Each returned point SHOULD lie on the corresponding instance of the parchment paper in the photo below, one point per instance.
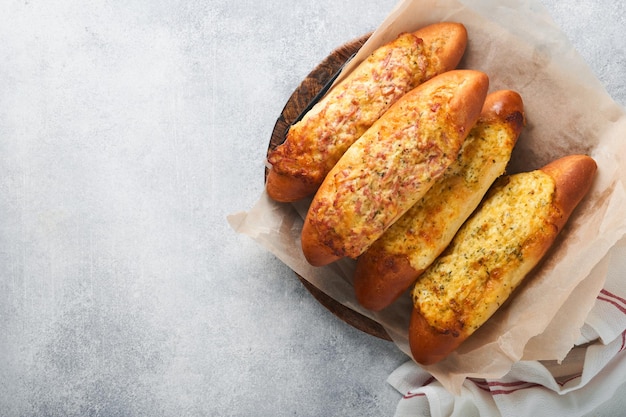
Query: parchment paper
(568, 111)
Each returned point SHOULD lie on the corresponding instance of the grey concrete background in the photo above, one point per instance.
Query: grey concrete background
(129, 130)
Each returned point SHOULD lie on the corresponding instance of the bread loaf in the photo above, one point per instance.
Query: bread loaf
(491, 254)
(392, 165)
(315, 143)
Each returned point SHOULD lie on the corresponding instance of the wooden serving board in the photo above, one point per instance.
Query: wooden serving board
(299, 100)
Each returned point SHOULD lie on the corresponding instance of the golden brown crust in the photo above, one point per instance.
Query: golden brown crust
(447, 42)
(381, 277)
(296, 173)
(504, 105)
(282, 188)
(316, 251)
(429, 345)
(392, 165)
(385, 271)
(572, 177)
(466, 105)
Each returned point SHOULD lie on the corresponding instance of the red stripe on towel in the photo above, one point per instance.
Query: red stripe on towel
(615, 303)
(411, 394)
(610, 294)
(505, 387)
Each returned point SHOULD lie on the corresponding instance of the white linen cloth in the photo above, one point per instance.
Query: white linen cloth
(588, 377)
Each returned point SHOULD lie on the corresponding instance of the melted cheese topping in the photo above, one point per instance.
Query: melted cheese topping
(427, 228)
(489, 256)
(386, 172)
(316, 143)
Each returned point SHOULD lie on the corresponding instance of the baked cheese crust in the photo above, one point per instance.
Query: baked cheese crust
(489, 256)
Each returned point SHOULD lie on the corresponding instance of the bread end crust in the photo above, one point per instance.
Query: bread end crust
(573, 176)
(448, 40)
(428, 345)
(469, 100)
(286, 188)
(380, 278)
(506, 105)
(315, 251)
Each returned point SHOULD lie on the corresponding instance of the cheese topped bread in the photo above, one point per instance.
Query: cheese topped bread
(315, 143)
(394, 163)
(492, 253)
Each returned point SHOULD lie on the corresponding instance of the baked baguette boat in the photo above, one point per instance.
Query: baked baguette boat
(392, 165)
(393, 263)
(315, 143)
(492, 252)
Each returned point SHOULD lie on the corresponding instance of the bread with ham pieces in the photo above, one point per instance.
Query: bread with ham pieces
(392, 165)
(314, 144)
(494, 250)
(393, 263)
